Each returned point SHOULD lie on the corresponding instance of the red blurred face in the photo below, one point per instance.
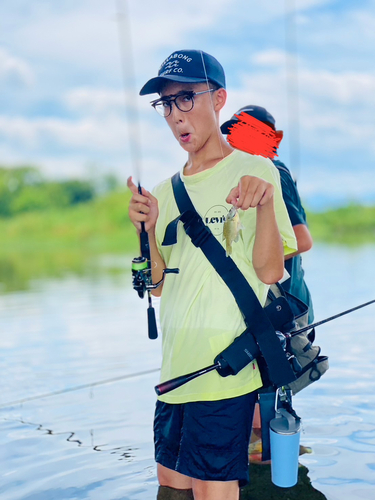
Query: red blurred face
(193, 129)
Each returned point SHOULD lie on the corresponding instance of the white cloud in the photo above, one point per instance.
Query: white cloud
(13, 70)
(340, 87)
(159, 160)
(92, 139)
(344, 87)
(271, 57)
(84, 35)
(97, 101)
(302, 5)
(91, 133)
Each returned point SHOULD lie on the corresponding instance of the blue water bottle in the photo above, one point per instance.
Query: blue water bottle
(284, 436)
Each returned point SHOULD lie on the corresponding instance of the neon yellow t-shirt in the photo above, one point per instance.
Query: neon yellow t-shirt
(198, 314)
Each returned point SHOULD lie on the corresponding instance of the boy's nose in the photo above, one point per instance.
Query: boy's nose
(176, 114)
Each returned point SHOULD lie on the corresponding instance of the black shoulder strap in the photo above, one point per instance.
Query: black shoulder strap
(256, 320)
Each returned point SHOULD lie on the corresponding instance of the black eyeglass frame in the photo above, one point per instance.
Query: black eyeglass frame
(169, 100)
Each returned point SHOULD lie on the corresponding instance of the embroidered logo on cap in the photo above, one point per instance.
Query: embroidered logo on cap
(172, 64)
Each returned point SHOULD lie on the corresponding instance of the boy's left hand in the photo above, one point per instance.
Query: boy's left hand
(250, 192)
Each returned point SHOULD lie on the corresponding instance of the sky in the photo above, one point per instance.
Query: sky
(66, 106)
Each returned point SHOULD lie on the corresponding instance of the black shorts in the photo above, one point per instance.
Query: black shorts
(206, 440)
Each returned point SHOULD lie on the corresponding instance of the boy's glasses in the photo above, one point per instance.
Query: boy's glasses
(184, 101)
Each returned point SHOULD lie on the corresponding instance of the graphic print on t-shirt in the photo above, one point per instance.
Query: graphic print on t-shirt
(215, 218)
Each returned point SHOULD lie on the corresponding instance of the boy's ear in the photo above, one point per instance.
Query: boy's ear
(220, 98)
(279, 134)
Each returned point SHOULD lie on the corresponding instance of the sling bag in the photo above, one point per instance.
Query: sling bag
(257, 322)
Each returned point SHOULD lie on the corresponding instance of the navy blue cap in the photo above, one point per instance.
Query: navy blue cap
(257, 112)
(186, 66)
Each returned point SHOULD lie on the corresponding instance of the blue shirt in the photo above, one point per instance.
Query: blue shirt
(295, 284)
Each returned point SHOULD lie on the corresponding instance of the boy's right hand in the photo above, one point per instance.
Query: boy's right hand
(142, 207)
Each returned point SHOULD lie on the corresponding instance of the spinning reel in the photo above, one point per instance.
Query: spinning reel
(142, 284)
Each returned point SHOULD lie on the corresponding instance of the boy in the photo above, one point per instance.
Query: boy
(202, 429)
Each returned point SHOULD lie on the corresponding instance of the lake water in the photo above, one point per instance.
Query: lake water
(96, 442)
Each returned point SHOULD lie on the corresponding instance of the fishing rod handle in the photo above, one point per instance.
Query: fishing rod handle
(152, 327)
(145, 247)
(170, 385)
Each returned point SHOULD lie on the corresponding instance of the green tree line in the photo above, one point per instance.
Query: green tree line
(352, 224)
(24, 189)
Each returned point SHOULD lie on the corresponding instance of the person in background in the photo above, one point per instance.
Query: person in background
(293, 262)
(295, 284)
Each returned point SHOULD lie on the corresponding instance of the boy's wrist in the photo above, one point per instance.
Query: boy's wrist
(268, 205)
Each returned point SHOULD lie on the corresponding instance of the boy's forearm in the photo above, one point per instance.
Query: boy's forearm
(268, 251)
(304, 240)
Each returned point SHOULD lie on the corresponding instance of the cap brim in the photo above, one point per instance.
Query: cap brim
(226, 125)
(154, 85)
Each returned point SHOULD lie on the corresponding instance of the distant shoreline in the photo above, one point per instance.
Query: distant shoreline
(349, 225)
(102, 225)
(55, 242)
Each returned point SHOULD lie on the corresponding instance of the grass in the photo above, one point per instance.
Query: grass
(99, 226)
(103, 225)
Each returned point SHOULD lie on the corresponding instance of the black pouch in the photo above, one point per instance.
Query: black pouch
(280, 314)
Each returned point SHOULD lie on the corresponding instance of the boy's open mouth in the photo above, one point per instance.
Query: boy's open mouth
(185, 137)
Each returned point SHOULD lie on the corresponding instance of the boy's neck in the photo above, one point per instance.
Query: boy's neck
(207, 157)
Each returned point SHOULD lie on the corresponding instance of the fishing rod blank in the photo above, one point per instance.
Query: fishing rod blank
(318, 323)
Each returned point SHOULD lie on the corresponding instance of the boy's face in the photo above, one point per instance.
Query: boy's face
(194, 128)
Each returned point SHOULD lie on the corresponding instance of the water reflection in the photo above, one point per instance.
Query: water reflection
(19, 270)
(261, 487)
(124, 452)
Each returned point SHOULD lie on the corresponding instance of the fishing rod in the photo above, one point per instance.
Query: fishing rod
(240, 353)
(77, 388)
(318, 323)
(142, 265)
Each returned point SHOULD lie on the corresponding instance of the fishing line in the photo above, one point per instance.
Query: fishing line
(212, 105)
(292, 90)
(78, 388)
(129, 85)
